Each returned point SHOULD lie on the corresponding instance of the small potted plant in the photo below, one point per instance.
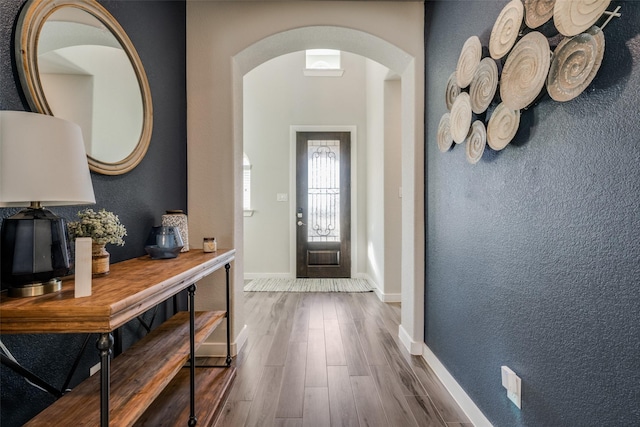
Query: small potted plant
(103, 227)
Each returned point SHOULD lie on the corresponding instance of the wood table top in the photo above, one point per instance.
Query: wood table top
(131, 288)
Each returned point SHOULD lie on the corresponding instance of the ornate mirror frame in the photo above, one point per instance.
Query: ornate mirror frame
(30, 22)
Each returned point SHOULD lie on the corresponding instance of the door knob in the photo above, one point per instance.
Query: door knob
(300, 223)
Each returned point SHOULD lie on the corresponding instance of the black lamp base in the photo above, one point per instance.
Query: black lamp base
(34, 252)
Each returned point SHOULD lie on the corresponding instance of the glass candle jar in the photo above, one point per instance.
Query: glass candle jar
(177, 218)
(209, 244)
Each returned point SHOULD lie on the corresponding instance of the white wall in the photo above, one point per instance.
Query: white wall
(71, 97)
(276, 96)
(375, 173)
(384, 178)
(392, 187)
(110, 111)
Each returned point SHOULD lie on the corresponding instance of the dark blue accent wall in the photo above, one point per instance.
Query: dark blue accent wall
(158, 31)
(533, 254)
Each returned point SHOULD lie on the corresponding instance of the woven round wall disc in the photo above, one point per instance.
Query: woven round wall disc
(538, 12)
(575, 16)
(484, 85)
(461, 118)
(468, 61)
(502, 126)
(452, 91)
(444, 133)
(476, 141)
(506, 29)
(525, 72)
(575, 63)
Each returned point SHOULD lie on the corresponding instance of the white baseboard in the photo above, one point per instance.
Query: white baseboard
(241, 339)
(413, 347)
(376, 288)
(457, 392)
(387, 297)
(219, 349)
(251, 276)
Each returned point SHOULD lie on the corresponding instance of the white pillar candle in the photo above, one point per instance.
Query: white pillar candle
(83, 267)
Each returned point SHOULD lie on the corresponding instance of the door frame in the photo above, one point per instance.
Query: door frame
(293, 129)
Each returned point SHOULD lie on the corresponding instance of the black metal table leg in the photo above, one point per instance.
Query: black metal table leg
(228, 360)
(193, 420)
(105, 347)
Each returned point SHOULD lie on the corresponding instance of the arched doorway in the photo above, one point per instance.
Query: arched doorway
(401, 63)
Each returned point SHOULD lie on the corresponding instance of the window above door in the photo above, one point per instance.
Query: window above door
(323, 63)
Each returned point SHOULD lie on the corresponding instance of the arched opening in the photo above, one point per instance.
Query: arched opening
(402, 64)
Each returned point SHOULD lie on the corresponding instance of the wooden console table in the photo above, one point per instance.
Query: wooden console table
(143, 371)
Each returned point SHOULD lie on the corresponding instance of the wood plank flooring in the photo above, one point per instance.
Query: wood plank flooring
(331, 359)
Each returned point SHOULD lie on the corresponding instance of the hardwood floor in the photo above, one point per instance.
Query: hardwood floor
(331, 359)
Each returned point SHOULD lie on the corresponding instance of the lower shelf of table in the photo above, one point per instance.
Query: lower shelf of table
(171, 408)
(138, 376)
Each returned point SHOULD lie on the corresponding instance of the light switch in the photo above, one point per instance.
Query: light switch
(513, 384)
(282, 197)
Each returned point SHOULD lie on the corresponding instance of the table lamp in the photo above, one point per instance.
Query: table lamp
(42, 163)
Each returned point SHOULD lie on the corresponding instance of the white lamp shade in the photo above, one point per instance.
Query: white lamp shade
(42, 159)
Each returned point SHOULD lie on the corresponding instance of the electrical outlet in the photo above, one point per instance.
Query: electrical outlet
(513, 384)
(95, 368)
(516, 396)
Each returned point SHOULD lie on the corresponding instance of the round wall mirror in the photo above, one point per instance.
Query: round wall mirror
(76, 62)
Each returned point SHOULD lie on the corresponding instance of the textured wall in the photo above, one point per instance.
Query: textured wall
(533, 254)
(140, 197)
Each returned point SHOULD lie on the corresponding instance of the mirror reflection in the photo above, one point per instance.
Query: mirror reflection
(76, 62)
(88, 78)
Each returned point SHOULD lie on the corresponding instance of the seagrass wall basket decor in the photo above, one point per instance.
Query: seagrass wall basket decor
(485, 96)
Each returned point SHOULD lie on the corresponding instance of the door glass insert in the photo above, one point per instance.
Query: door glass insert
(324, 191)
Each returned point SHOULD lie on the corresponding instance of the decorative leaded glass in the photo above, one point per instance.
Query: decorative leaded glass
(324, 191)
